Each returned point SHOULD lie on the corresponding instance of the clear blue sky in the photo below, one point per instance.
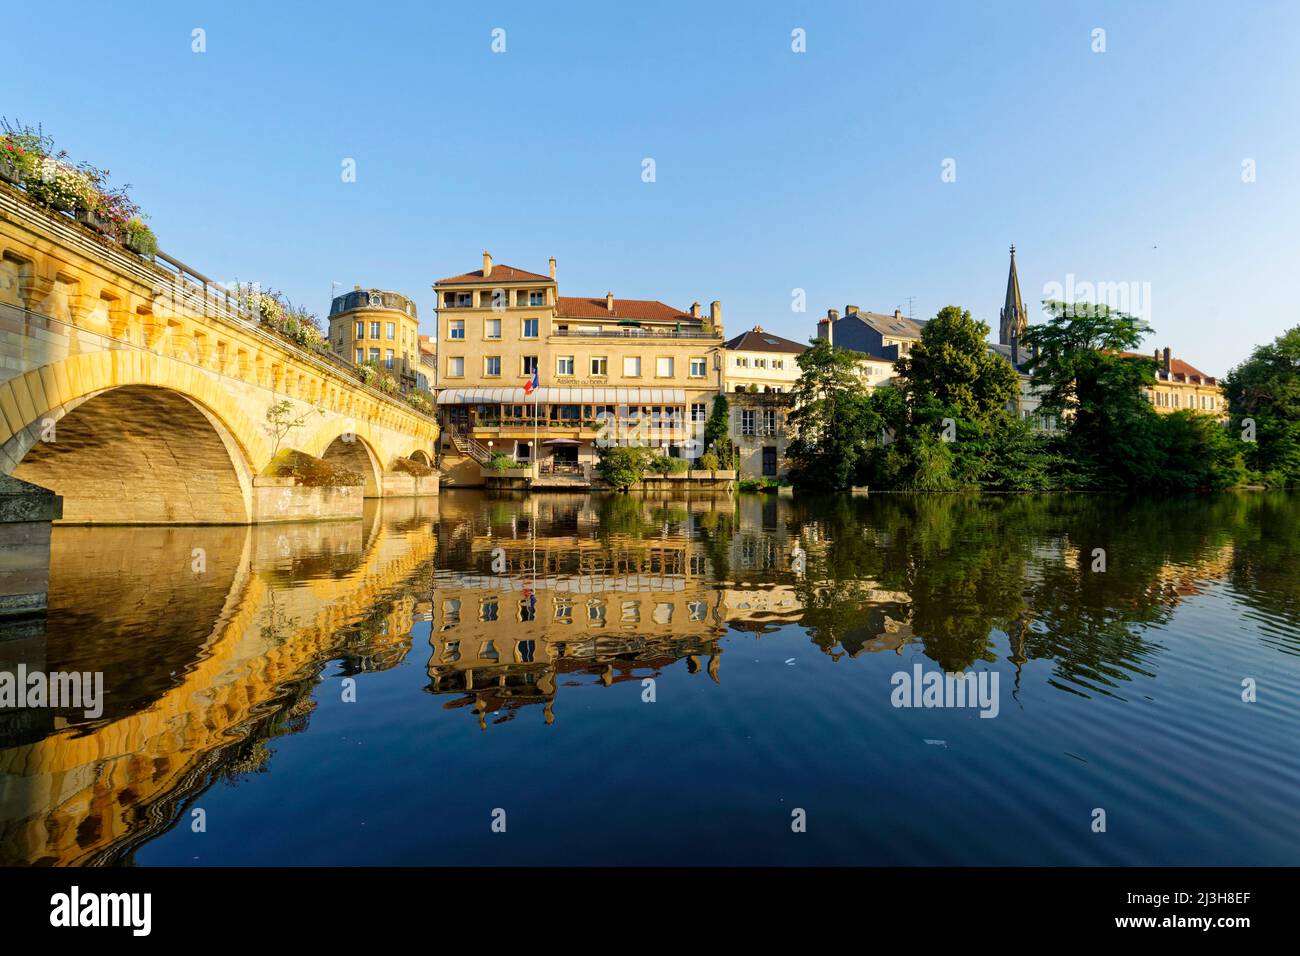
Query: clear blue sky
(775, 170)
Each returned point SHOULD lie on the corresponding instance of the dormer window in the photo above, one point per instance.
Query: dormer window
(376, 300)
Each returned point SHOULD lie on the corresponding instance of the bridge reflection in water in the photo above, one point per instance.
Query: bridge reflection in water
(211, 639)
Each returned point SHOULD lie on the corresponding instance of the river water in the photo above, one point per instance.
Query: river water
(613, 679)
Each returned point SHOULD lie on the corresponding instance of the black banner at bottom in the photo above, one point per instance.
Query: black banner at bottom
(179, 905)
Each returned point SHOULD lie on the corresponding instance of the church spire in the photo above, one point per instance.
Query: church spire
(1014, 319)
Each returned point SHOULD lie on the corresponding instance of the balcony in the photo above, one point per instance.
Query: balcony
(633, 333)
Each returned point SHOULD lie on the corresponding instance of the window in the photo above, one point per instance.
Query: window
(698, 368)
(747, 421)
(537, 298)
(769, 421)
(361, 330)
(361, 356)
(600, 365)
(778, 363)
(374, 330)
(632, 366)
(664, 366)
(390, 330)
(742, 362)
(491, 328)
(529, 365)
(564, 365)
(760, 363)
(530, 328)
(388, 358)
(698, 413)
(464, 300)
(374, 356)
(455, 366)
(455, 329)
(492, 365)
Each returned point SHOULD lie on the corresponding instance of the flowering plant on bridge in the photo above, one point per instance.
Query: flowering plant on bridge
(139, 238)
(419, 403)
(28, 157)
(21, 150)
(276, 312)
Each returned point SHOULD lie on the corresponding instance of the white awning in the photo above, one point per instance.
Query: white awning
(563, 396)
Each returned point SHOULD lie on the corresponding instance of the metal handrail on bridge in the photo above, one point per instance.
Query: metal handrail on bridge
(217, 301)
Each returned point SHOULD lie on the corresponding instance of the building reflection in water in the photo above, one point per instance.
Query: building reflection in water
(511, 599)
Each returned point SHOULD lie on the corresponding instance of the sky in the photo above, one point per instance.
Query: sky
(890, 164)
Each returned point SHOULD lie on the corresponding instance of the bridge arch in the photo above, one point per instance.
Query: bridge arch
(354, 452)
(352, 444)
(422, 457)
(133, 438)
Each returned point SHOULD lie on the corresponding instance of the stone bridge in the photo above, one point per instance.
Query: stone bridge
(138, 390)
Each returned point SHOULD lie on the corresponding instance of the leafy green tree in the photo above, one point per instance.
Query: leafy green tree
(1086, 381)
(1114, 437)
(622, 466)
(947, 418)
(1264, 403)
(952, 369)
(833, 421)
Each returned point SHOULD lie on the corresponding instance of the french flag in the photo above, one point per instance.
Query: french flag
(531, 385)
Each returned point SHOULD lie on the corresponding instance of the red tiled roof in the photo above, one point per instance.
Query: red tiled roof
(641, 310)
(427, 345)
(1177, 366)
(500, 273)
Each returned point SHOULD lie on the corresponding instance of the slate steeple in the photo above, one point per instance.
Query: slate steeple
(1013, 318)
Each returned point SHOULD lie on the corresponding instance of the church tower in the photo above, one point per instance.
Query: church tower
(1014, 318)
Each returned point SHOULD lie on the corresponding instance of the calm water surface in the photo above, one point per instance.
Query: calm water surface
(498, 650)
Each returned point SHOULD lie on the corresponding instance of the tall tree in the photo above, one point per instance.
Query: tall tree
(952, 368)
(833, 420)
(1264, 401)
(1084, 379)
(951, 417)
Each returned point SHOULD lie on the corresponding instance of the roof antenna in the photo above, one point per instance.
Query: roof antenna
(911, 311)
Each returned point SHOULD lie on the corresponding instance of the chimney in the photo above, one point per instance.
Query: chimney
(487, 263)
(695, 310)
(552, 267)
(898, 313)
(824, 328)
(715, 313)
(609, 301)
(1168, 361)
(850, 310)
(833, 314)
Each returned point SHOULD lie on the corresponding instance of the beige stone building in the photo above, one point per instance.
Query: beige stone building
(1180, 385)
(760, 369)
(607, 370)
(381, 328)
(761, 361)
